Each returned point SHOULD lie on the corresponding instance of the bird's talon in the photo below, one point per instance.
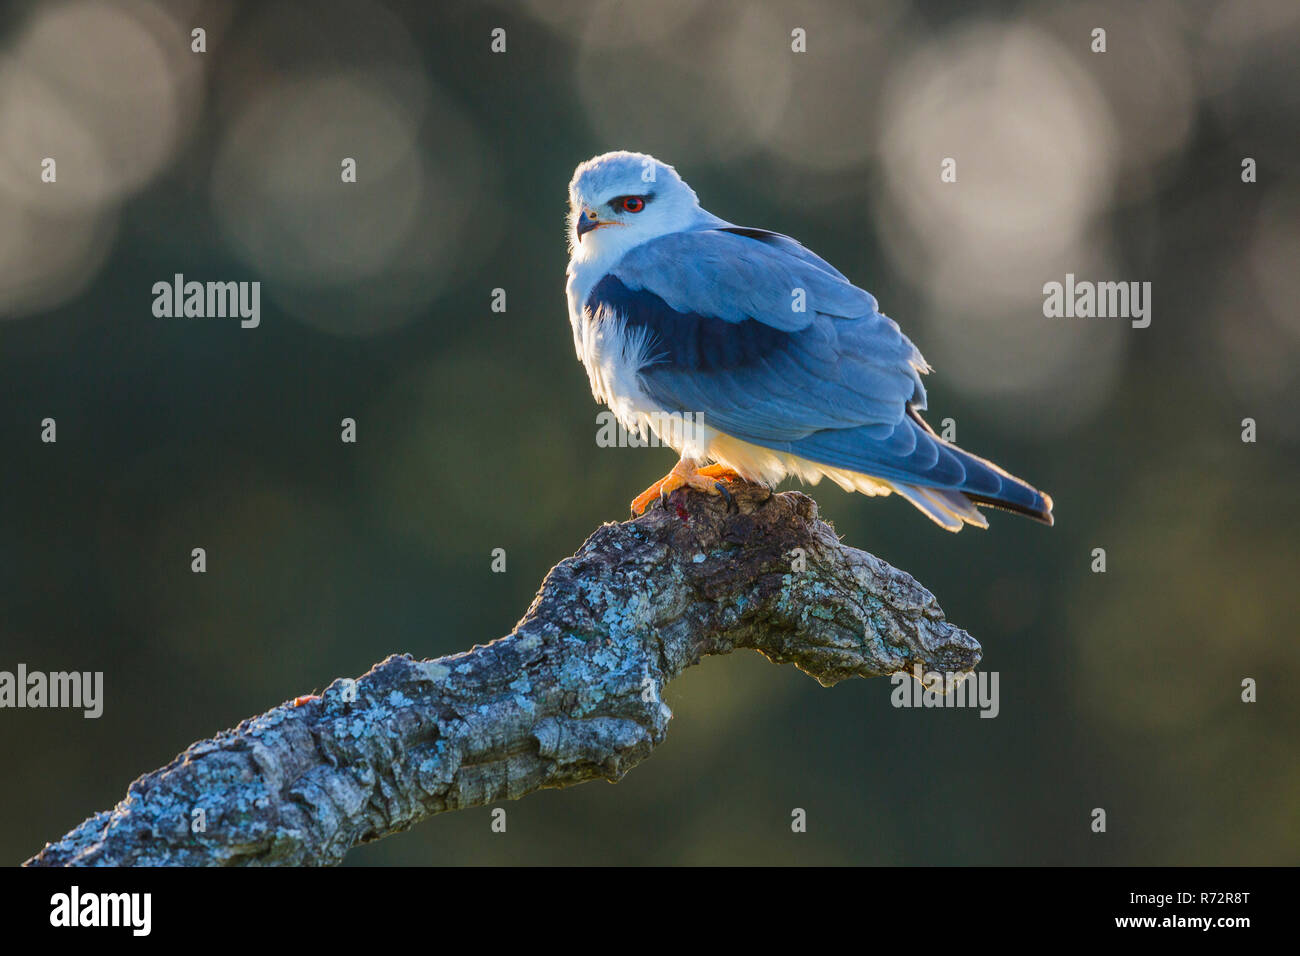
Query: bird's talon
(687, 476)
(732, 507)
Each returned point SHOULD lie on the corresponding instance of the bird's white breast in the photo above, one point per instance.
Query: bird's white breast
(611, 355)
(614, 357)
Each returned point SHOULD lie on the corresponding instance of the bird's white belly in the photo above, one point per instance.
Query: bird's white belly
(614, 359)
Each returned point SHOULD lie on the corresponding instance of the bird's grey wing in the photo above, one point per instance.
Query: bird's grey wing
(759, 336)
(790, 246)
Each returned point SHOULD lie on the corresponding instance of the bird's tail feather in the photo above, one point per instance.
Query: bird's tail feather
(1013, 494)
(985, 484)
(948, 509)
(944, 482)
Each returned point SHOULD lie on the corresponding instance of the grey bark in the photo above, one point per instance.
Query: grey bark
(574, 693)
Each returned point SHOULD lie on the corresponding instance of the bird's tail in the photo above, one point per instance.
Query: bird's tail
(951, 509)
(984, 483)
(944, 482)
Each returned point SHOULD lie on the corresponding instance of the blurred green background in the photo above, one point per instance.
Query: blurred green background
(477, 430)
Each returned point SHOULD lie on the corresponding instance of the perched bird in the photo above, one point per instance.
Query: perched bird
(741, 348)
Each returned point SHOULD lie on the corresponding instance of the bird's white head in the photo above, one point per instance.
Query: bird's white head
(619, 200)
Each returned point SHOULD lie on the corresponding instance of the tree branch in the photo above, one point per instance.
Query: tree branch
(574, 693)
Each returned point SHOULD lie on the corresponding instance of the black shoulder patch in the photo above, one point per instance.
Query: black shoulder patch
(687, 340)
(762, 235)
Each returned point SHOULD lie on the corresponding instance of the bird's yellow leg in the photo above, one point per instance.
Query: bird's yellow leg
(686, 473)
(720, 471)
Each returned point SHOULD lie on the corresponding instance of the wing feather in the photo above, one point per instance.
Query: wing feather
(727, 340)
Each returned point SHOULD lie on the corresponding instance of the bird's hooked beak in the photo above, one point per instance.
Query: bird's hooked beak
(587, 222)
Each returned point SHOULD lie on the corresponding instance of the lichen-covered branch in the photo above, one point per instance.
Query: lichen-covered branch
(574, 693)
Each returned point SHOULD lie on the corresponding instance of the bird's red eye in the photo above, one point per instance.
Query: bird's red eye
(633, 204)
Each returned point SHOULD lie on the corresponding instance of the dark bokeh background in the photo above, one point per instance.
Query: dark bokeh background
(476, 430)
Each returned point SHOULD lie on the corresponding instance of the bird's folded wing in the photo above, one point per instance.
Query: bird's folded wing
(761, 337)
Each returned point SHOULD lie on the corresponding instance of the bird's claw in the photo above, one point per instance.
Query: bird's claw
(702, 479)
(732, 507)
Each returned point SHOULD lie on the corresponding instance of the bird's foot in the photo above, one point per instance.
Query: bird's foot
(720, 471)
(709, 480)
(305, 699)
